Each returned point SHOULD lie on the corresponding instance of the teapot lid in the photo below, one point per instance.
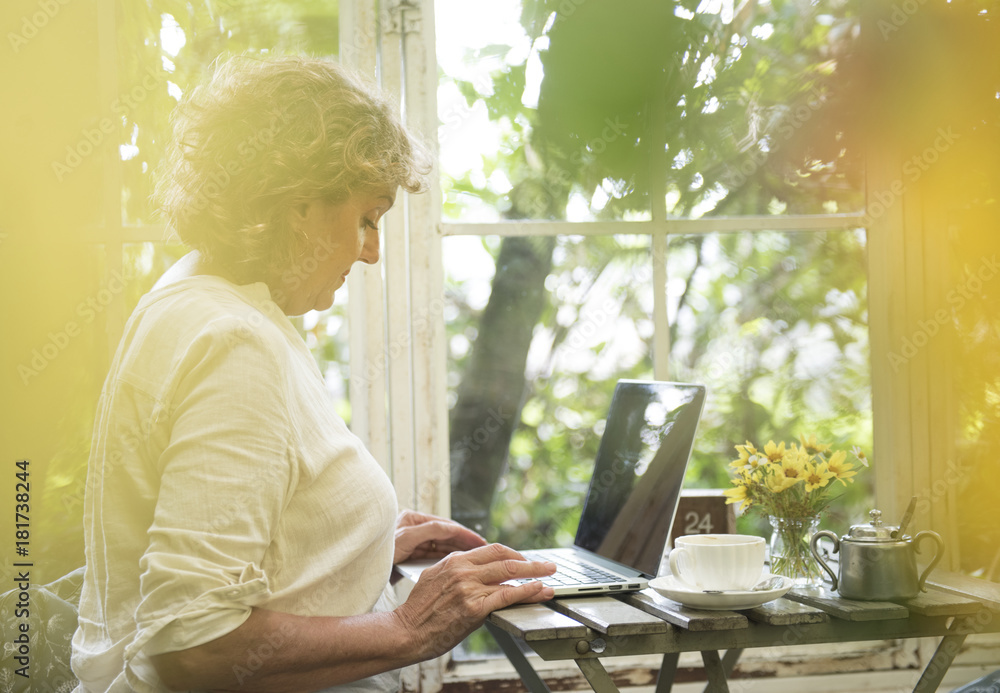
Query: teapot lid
(874, 531)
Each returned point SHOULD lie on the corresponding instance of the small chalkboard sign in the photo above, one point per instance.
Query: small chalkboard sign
(702, 511)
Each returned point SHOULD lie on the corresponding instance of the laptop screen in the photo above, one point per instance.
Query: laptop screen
(639, 471)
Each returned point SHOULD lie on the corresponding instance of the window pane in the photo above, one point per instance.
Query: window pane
(776, 325)
(540, 330)
(164, 52)
(740, 112)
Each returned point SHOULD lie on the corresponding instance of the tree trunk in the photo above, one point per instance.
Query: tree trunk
(493, 388)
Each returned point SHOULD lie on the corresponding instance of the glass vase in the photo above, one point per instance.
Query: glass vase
(790, 553)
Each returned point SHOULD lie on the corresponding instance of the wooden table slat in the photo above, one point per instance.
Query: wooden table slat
(670, 611)
(785, 612)
(532, 622)
(609, 616)
(982, 591)
(937, 603)
(848, 609)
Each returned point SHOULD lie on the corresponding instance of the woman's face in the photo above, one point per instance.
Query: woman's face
(340, 235)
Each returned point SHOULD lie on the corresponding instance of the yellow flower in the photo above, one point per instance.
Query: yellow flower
(737, 494)
(793, 465)
(779, 481)
(817, 476)
(749, 457)
(811, 446)
(840, 467)
(773, 452)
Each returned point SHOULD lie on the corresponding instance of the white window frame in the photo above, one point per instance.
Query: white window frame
(914, 423)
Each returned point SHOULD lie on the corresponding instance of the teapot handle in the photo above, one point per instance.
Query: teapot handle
(815, 552)
(938, 553)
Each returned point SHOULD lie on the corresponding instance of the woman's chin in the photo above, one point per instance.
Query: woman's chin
(323, 302)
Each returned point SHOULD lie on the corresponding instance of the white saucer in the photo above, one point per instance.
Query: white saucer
(672, 588)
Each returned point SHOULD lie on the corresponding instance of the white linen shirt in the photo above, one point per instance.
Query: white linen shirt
(220, 479)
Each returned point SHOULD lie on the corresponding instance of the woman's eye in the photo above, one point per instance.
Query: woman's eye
(369, 224)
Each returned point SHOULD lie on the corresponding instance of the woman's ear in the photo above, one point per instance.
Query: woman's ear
(298, 214)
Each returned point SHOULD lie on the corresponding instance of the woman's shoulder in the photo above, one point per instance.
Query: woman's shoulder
(204, 313)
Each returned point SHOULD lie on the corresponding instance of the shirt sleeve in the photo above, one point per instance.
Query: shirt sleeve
(225, 476)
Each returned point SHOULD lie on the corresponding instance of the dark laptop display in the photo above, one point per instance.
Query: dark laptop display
(639, 472)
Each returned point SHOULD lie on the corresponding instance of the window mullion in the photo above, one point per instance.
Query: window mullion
(395, 267)
(658, 164)
(358, 41)
(432, 452)
(675, 225)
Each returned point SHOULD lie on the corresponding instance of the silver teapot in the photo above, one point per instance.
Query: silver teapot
(878, 562)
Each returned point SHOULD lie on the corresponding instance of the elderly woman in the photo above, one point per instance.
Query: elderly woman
(238, 536)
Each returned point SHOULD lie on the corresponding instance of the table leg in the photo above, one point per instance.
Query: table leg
(668, 669)
(597, 675)
(532, 681)
(938, 666)
(715, 671)
(728, 664)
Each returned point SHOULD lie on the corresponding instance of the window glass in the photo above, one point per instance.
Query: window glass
(540, 329)
(539, 332)
(739, 111)
(775, 324)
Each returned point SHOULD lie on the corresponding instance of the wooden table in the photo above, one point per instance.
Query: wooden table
(590, 629)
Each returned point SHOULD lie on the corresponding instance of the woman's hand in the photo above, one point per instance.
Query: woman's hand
(452, 598)
(428, 536)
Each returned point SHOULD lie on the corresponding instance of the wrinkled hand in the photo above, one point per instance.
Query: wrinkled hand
(428, 536)
(452, 598)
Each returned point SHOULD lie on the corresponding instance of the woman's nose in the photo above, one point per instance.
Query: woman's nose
(370, 250)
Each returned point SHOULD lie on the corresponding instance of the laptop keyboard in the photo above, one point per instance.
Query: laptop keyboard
(571, 572)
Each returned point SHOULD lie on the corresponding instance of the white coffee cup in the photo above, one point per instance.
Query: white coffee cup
(718, 561)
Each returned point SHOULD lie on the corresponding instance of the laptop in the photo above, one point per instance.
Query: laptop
(633, 493)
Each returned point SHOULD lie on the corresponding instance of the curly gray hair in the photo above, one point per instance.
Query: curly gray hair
(265, 135)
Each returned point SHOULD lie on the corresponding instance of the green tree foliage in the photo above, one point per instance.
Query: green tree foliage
(722, 115)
